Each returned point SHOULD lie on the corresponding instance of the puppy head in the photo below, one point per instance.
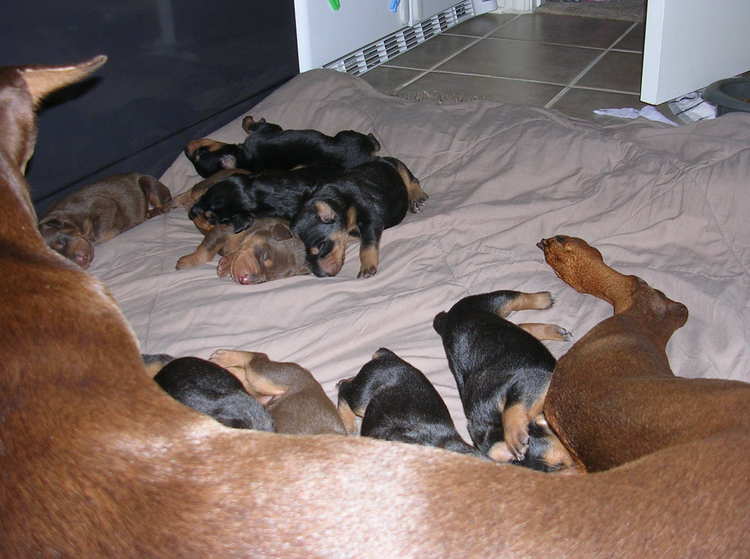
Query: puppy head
(226, 203)
(321, 224)
(69, 239)
(209, 156)
(267, 254)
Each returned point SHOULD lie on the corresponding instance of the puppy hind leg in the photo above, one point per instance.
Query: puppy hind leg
(526, 301)
(417, 197)
(543, 331)
(157, 195)
(348, 416)
(248, 367)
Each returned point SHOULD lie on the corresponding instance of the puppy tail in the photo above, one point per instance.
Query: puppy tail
(439, 323)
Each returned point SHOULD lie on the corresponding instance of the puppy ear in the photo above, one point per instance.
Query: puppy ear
(228, 162)
(325, 212)
(241, 222)
(262, 120)
(280, 232)
(247, 122)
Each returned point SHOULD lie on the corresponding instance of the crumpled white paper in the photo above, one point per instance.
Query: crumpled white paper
(649, 112)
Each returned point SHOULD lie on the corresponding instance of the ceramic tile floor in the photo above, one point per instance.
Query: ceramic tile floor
(571, 64)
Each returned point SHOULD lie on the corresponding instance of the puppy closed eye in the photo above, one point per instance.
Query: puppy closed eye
(59, 243)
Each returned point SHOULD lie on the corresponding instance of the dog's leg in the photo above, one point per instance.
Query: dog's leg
(520, 301)
(581, 266)
(157, 195)
(417, 196)
(613, 397)
(542, 331)
(248, 367)
(210, 246)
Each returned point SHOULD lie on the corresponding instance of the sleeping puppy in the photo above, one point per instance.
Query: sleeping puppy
(368, 198)
(397, 403)
(503, 371)
(101, 211)
(295, 400)
(209, 389)
(240, 198)
(266, 251)
(268, 146)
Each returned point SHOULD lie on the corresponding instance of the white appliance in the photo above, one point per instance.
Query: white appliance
(356, 35)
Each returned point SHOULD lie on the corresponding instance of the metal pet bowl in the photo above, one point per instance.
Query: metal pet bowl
(729, 95)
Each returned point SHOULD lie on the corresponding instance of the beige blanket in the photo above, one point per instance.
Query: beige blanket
(668, 204)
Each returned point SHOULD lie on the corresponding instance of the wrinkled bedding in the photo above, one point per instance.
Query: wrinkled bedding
(668, 204)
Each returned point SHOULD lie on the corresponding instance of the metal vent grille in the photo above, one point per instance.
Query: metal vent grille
(379, 52)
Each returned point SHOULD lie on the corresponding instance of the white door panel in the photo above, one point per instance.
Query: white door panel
(691, 43)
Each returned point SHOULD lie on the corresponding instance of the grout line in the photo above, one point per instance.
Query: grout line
(575, 80)
(459, 51)
(424, 72)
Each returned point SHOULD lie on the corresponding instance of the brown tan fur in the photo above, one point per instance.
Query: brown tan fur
(194, 145)
(100, 211)
(265, 251)
(302, 408)
(417, 196)
(98, 462)
(189, 197)
(613, 397)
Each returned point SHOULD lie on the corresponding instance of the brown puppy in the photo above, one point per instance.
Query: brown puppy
(101, 211)
(291, 394)
(129, 472)
(265, 251)
(620, 368)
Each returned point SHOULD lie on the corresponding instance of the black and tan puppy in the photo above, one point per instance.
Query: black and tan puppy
(397, 403)
(268, 146)
(240, 198)
(503, 371)
(208, 388)
(290, 393)
(369, 198)
(101, 211)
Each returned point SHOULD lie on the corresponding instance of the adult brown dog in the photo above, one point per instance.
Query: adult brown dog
(96, 461)
(100, 211)
(613, 397)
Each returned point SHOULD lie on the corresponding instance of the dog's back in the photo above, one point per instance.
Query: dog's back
(398, 403)
(267, 146)
(210, 389)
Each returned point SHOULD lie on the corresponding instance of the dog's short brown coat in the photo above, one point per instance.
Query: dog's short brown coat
(100, 211)
(97, 461)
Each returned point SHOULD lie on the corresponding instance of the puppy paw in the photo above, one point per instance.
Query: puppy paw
(416, 206)
(500, 452)
(366, 272)
(187, 261)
